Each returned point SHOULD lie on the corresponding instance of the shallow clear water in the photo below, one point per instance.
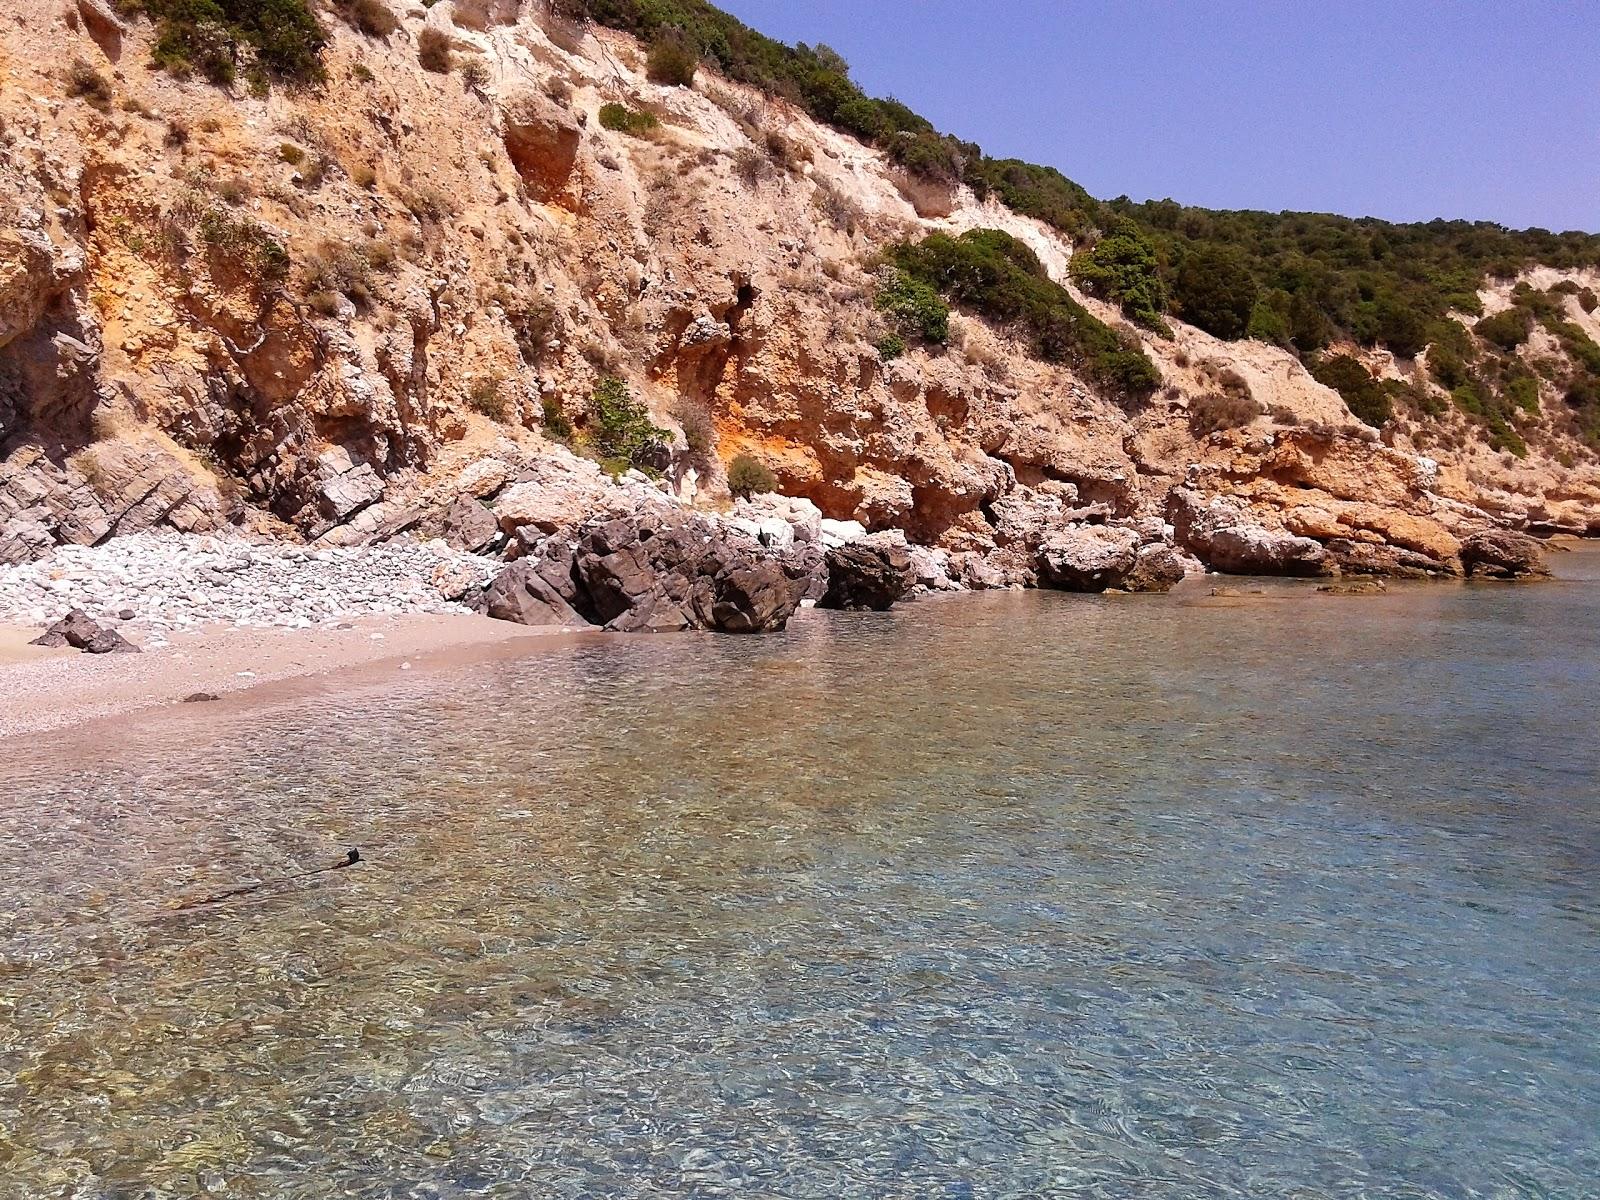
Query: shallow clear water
(1014, 895)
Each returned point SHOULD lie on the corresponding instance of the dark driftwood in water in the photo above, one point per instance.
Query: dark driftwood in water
(351, 857)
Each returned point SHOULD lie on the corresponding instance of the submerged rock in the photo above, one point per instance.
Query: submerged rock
(1158, 568)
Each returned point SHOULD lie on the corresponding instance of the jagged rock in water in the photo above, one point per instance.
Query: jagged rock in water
(1087, 558)
(1502, 554)
(1371, 585)
(468, 525)
(871, 573)
(1158, 568)
(651, 574)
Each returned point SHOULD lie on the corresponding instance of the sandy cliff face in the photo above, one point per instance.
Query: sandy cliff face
(312, 311)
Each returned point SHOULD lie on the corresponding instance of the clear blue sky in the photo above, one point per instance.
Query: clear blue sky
(1406, 109)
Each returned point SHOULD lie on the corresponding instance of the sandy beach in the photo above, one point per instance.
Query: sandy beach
(44, 690)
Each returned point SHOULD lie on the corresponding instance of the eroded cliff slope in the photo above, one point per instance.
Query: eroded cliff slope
(320, 311)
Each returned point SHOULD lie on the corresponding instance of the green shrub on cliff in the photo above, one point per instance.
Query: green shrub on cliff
(1215, 290)
(672, 60)
(996, 276)
(620, 429)
(1367, 399)
(914, 306)
(271, 39)
(747, 477)
(621, 119)
(1122, 268)
(1508, 329)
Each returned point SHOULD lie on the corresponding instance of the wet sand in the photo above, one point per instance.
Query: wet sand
(44, 690)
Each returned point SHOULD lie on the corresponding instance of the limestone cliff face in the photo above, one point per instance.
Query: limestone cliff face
(312, 311)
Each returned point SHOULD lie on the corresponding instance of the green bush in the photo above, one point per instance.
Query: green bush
(620, 429)
(244, 244)
(1122, 268)
(1416, 396)
(1367, 399)
(1523, 391)
(672, 60)
(1508, 329)
(915, 307)
(621, 119)
(1587, 300)
(1269, 320)
(275, 39)
(1215, 290)
(890, 346)
(747, 477)
(996, 276)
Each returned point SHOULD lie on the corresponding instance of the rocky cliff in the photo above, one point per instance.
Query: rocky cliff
(329, 312)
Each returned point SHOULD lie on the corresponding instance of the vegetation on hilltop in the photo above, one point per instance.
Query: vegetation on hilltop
(1301, 280)
(814, 78)
(265, 39)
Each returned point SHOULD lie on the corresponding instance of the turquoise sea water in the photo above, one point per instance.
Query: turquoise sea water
(1013, 895)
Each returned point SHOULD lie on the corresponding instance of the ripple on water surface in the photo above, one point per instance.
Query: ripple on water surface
(1001, 896)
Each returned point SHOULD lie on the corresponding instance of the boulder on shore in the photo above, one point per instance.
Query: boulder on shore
(651, 573)
(1503, 554)
(1087, 558)
(1222, 533)
(468, 525)
(873, 573)
(78, 630)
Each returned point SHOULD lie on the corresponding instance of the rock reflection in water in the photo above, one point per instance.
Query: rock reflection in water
(998, 896)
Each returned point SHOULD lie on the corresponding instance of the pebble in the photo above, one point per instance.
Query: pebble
(160, 581)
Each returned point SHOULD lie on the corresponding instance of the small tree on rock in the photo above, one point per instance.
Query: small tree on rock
(747, 477)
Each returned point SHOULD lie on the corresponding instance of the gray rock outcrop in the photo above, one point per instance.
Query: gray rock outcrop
(650, 573)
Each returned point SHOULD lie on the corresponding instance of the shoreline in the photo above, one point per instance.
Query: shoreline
(68, 693)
